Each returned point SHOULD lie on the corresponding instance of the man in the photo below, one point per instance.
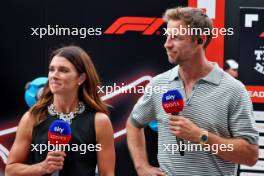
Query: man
(231, 67)
(217, 111)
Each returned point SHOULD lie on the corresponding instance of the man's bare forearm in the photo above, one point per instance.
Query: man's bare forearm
(242, 151)
(137, 145)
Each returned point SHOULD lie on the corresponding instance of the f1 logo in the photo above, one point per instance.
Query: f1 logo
(249, 18)
(147, 25)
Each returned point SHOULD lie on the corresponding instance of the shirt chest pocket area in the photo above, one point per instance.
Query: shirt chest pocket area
(209, 116)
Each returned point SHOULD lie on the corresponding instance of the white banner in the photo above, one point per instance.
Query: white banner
(258, 166)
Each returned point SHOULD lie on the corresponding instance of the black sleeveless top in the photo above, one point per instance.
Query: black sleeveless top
(82, 132)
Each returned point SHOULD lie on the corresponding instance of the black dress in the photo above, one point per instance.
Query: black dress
(82, 133)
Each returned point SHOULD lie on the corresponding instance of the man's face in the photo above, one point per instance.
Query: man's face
(179, 47)
(233, 72)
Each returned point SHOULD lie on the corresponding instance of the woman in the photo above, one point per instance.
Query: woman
(71, 95)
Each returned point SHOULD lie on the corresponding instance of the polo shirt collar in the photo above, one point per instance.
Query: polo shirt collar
(174, 74)
(214, 76)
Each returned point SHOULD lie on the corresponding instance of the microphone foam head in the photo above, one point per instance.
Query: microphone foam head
(59, 132)
(172, 102)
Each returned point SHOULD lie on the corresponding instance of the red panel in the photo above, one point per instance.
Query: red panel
(256, 93)
(215, 50)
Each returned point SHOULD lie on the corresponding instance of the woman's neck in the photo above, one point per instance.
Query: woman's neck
(65, 104)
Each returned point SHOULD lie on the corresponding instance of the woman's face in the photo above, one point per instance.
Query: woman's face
(63, 76)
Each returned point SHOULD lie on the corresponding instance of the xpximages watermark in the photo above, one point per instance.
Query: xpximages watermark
(65, 31)
(214, 149)
(192, 31)
(148, 90)
(82, 148)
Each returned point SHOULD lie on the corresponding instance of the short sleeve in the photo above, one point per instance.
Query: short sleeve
(144, 111)
(241, 119)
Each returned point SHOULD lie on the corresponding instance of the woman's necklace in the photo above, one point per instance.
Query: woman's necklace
(68, 116)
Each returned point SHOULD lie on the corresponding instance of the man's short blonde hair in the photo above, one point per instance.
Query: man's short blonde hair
(194, 17)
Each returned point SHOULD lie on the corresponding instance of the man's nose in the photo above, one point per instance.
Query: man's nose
(168, 43)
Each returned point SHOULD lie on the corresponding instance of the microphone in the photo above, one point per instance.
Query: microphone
(172, 102)
(59, 133)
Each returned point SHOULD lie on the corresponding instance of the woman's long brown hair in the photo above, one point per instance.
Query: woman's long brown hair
(88, 91)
